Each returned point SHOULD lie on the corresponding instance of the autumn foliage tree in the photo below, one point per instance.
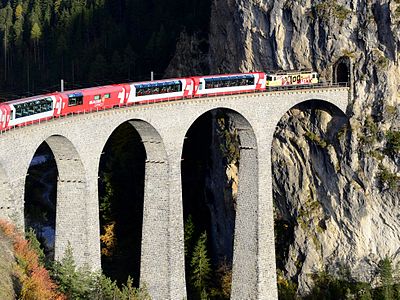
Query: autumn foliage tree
(32, 276)
(108, 239)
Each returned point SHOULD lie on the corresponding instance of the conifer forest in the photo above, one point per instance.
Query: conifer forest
(90, 42)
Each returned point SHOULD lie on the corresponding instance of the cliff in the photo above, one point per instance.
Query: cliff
(336, 179)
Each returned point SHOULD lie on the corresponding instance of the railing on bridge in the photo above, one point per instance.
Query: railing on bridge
(146, 102)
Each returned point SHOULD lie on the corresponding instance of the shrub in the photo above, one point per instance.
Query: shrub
(330, 287)
(286, 288)
(393, 142)
(316, 139)
(331, 9)
(81, 283)
(370, 130)
(387, 178)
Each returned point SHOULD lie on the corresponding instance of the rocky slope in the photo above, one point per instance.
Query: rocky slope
(336, 180)
(7, 260)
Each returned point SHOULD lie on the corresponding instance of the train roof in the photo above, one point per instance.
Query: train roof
(227, 75)
(22, 100)
(158, 81)
(69, 92)
(288, 72)
(90, 89)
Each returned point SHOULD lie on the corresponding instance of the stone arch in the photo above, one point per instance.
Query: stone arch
(5, 194)
(71, 210)
(320, 104)
(300, 151)
(154, 264)
(244, 264)
(342, 71)
(152, 141)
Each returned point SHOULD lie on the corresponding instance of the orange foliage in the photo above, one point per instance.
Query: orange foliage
(108, 239)
(7, 228)
(34, 278)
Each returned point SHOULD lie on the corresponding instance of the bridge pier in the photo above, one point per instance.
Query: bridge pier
(14, 200)
(244, 271)
(77, 205)
(154, 257)
(176, 233)
(71, 226)
(266, 264)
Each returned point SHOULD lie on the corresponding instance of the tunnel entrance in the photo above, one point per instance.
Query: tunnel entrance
(40, 198)
(121, 194)
(342, 71)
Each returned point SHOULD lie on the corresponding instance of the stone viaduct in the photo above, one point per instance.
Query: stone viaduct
(77, 143)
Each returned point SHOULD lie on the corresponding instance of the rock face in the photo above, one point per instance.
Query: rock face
(336, 180)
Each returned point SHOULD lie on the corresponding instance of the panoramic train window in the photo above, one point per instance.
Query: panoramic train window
(221, 82)
(75, 99)
(33, 107)
(158, 88)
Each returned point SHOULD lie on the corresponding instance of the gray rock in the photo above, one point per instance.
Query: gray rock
(327, 171)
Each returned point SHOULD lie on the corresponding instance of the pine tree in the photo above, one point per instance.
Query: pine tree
(386, 277)
(18, 25)
(6, 23)
(189, 234)
(106, 201)
(98, 68)
(129, 60)
(30, 235)
(201, 267)
(74, 283)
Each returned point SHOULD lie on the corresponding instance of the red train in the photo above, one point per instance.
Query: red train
(34, 109)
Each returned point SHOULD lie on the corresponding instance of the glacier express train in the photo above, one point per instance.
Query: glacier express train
(38, 108)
